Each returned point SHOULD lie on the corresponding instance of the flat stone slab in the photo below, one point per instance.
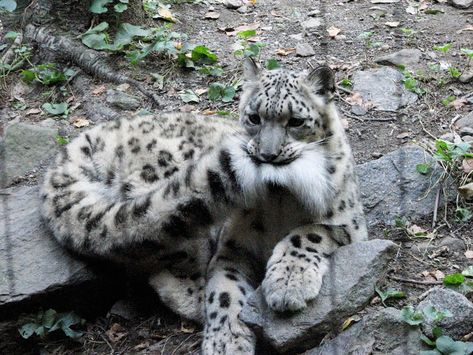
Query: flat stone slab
(383, 88)
(25, 146)
(346, 289)
(406, 57)
(391, 186)
(31, 262)
(383, 332)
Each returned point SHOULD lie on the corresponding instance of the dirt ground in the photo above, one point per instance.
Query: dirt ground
(371, 135)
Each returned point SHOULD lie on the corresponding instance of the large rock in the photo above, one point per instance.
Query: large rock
(383, 332)
(346, 289)
(391, 186)
(462, 4)
(383, 88)
(406, 57)
(31, 263)
(24, 148)
(461, 322)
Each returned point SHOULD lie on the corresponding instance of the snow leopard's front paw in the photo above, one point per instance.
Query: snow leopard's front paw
(290, 284)
(228, 338)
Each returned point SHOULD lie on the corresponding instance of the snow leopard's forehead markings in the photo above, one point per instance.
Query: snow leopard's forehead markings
(284, 112)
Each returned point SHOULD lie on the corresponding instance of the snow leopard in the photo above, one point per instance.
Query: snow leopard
(211, 208)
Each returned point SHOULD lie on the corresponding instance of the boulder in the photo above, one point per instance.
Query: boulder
(382, 332)
(347, 288)
(31, 262)
(406, 57)
(461, 321)
(391, 186)
(24, 148)
(383, 88)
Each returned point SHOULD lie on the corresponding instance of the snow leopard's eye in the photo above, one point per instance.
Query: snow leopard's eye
(254, 119)
(295, 122)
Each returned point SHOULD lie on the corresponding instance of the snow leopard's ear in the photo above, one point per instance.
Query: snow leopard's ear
(322, 81)
(251, 70)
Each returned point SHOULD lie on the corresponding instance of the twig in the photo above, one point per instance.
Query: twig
(345, 113)
(411, 281)
(344, 90)
(436, 206)
(382, 119)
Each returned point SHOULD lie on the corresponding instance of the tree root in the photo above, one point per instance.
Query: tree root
(88, 60)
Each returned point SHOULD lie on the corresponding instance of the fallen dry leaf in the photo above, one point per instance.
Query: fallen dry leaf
(423, 5)
(467, 165)
(232, 31)
(276, 14)
(165, 14)
(392, 24)
(411, 10)
(99, 90)
(209, 112)
(458, 103)
(285, 51)
(418, 232)
(355, 99)
(439, 275)
(33, 111)
(469, 254)
(467, 190)
(333, 31)
(116, 333)
(212, 15)
(188, 327)
(349, 321)
(79, 121)
(123, 87)
(200, 91)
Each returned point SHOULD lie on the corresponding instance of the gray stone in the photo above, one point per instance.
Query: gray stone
(297, 36)
(466, 131)
(123, 101)
(304, 50)
(466, 76)
(406, 57)
(359, 110)
(31, 263)
(461, 322)
(468, 139)
(25, 147)
(465, 121)
(124, 309)
(449, 137)
(312, 24)
(461, 4)
(383, 88)
(233, 4)
(391, 186)
(382, 332)
(346, 289)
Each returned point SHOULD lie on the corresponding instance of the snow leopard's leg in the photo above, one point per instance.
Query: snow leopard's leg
(229, 284)
(295, 270)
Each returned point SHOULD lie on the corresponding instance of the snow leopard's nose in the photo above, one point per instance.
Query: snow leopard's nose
(269, 157)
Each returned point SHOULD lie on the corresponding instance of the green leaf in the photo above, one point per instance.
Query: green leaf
(27, 330)
(434, 315)
(446, 101)
(430, 352)
(61, 140)
(453, 279)
(126, 32)
(215, 91)
(102, 26)
(201, 54)
(27, 76)
(272, 64)
(211, 70)
(11, 35)
(433, 11)
(427, 340)
(41, 331)
(56, 109)
(120, 7)
(389, 293)
(448, 346)
(189, 96)
(346, 83)
(8, 5)
(437, 332)
(463, 214)
(444, 48)
(246, 34)
(99, 6)
(454, 72)
(410, 316)
(228, 94)
(468, 272)
(97, 41)
(66, 320)
(49, 317)
(423, 168)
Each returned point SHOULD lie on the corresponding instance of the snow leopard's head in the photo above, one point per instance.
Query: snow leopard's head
(284, 112)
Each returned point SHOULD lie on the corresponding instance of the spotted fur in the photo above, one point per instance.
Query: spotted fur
(212, 209)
